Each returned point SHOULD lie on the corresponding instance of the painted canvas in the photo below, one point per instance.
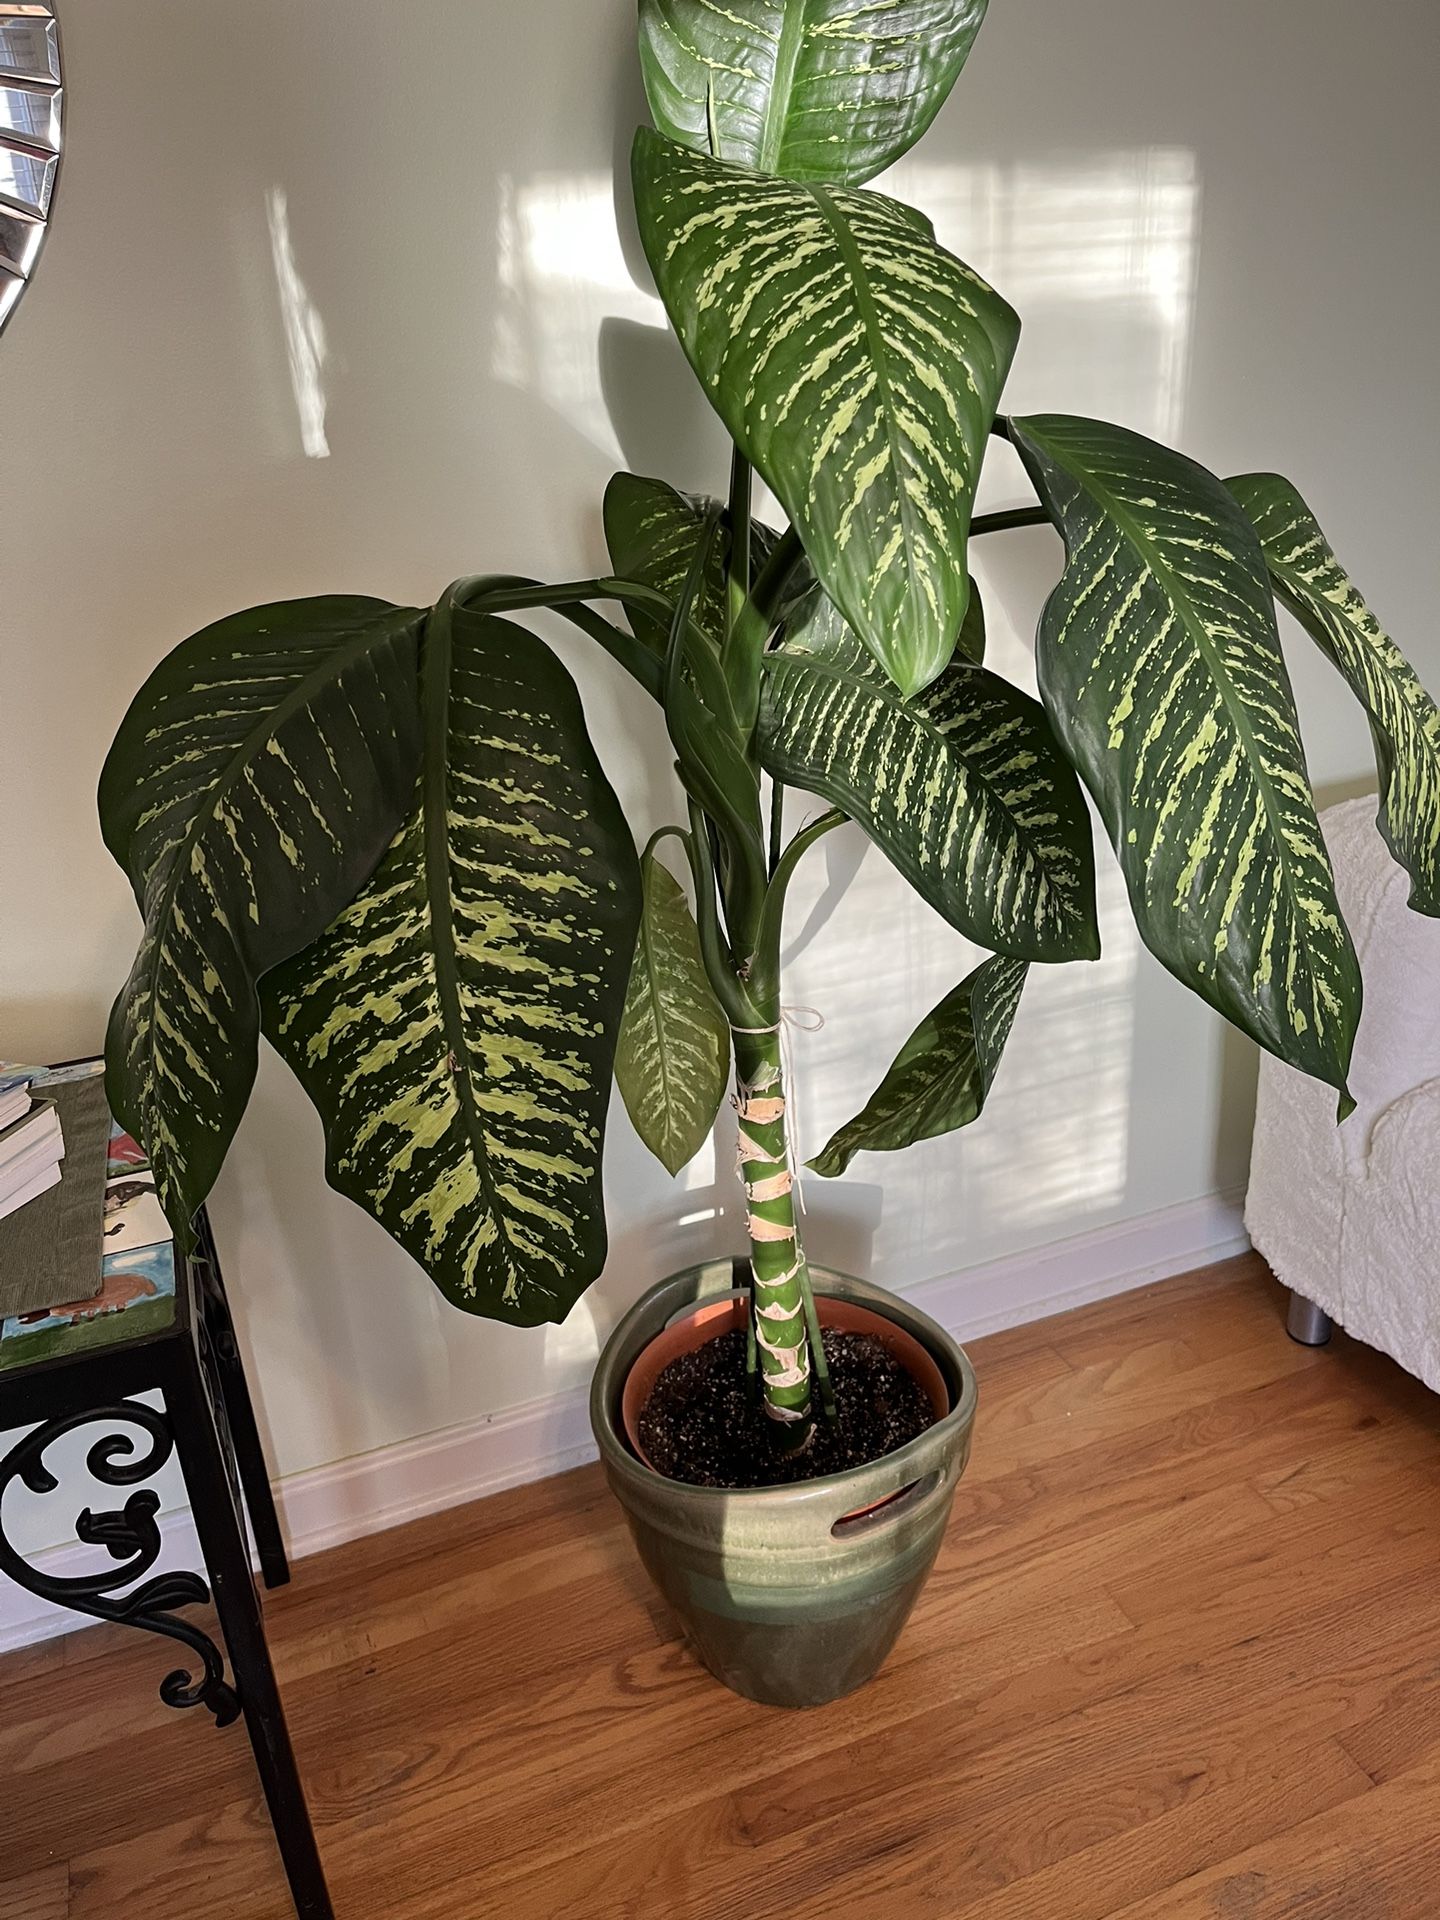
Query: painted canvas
(137, 1296)
(133, 1214)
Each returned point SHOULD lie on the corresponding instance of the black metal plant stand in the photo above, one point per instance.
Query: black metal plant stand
(207, 1418)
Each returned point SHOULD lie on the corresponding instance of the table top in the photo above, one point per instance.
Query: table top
(137, 1296)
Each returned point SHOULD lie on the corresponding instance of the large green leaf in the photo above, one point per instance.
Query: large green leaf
(673, 1059)
(251, 788)
(456, 1024)
(942, 1073)
(858, 367)
(1160, 664)
(1404, 720)
(814, 89)
(963, 787)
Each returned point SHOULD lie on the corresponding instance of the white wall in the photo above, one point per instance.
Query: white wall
(335, 299)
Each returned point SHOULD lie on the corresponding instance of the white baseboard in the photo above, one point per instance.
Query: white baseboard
(373, 1491)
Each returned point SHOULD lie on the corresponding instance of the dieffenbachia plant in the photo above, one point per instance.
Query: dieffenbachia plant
(381, 835)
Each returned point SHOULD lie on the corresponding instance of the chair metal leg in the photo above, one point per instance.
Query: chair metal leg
(1306, 1323)
(227, 1560)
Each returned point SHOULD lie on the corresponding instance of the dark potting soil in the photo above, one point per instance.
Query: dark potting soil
(703, 1424)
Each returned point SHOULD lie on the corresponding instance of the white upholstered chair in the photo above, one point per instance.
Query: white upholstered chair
(1349, 1217)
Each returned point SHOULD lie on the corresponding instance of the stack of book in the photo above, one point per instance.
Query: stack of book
(31, 1144)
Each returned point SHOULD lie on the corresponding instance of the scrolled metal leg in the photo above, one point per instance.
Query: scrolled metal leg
(1307, 1324)
(131, 1536)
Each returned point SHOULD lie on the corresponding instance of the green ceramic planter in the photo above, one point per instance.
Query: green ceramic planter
(783, 1597)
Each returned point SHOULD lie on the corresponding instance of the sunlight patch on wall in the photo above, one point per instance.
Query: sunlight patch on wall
(1099, 253)
(562, 271)
(305, 346)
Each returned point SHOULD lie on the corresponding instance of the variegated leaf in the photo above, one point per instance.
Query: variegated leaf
(1160, 664)
(1404, 720)
(251, 788)
(673, 1059)
(456, 1024)
(813, 89)
(652, 531)
(858, 367)
(942, 1074)
(963, 787)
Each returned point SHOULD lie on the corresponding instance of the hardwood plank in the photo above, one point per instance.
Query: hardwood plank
(1165, 1467)
(1283, 1787)
(1216, 1310)
(219, 1863)
(37, 1896)
(657, 1732)
(1402, 1733)
(31, 1663)
(1377, 1857)
(1100, 1402)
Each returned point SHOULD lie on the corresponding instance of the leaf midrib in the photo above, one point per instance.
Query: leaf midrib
(435, 828)
(653, 990)
(793, 22)
(849, 250)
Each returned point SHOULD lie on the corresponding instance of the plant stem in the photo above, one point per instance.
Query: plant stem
(817, 1349)
(1010, 517)
(715, 951)
(770, 583)
(777, 821)
(638, 661)
(491, 593)
(745, 642)
(787, 1331)
(776, 1260)
(765, 971)
(737, 577)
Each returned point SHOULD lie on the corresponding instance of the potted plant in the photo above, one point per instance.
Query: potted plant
(381, 835)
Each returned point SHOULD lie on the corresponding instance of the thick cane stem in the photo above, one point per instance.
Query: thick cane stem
(776, 1258)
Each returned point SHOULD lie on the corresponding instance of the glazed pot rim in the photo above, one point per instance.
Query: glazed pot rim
(942, 1347)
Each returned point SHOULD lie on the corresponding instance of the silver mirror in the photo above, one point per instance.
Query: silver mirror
(31, 106)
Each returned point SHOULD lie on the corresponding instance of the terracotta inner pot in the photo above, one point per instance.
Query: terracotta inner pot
(704, 1323)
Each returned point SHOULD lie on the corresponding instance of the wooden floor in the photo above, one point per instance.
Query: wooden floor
(1180, 1657)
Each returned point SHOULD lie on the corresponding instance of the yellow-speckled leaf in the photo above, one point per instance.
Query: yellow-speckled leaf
(815, 89)
(964, 786)
(1404, 720)
(456, 1024)
(942, 1074)
(653, 532)
(1160, 664)
(673, 1060)
(856, 364)
(251, 788)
